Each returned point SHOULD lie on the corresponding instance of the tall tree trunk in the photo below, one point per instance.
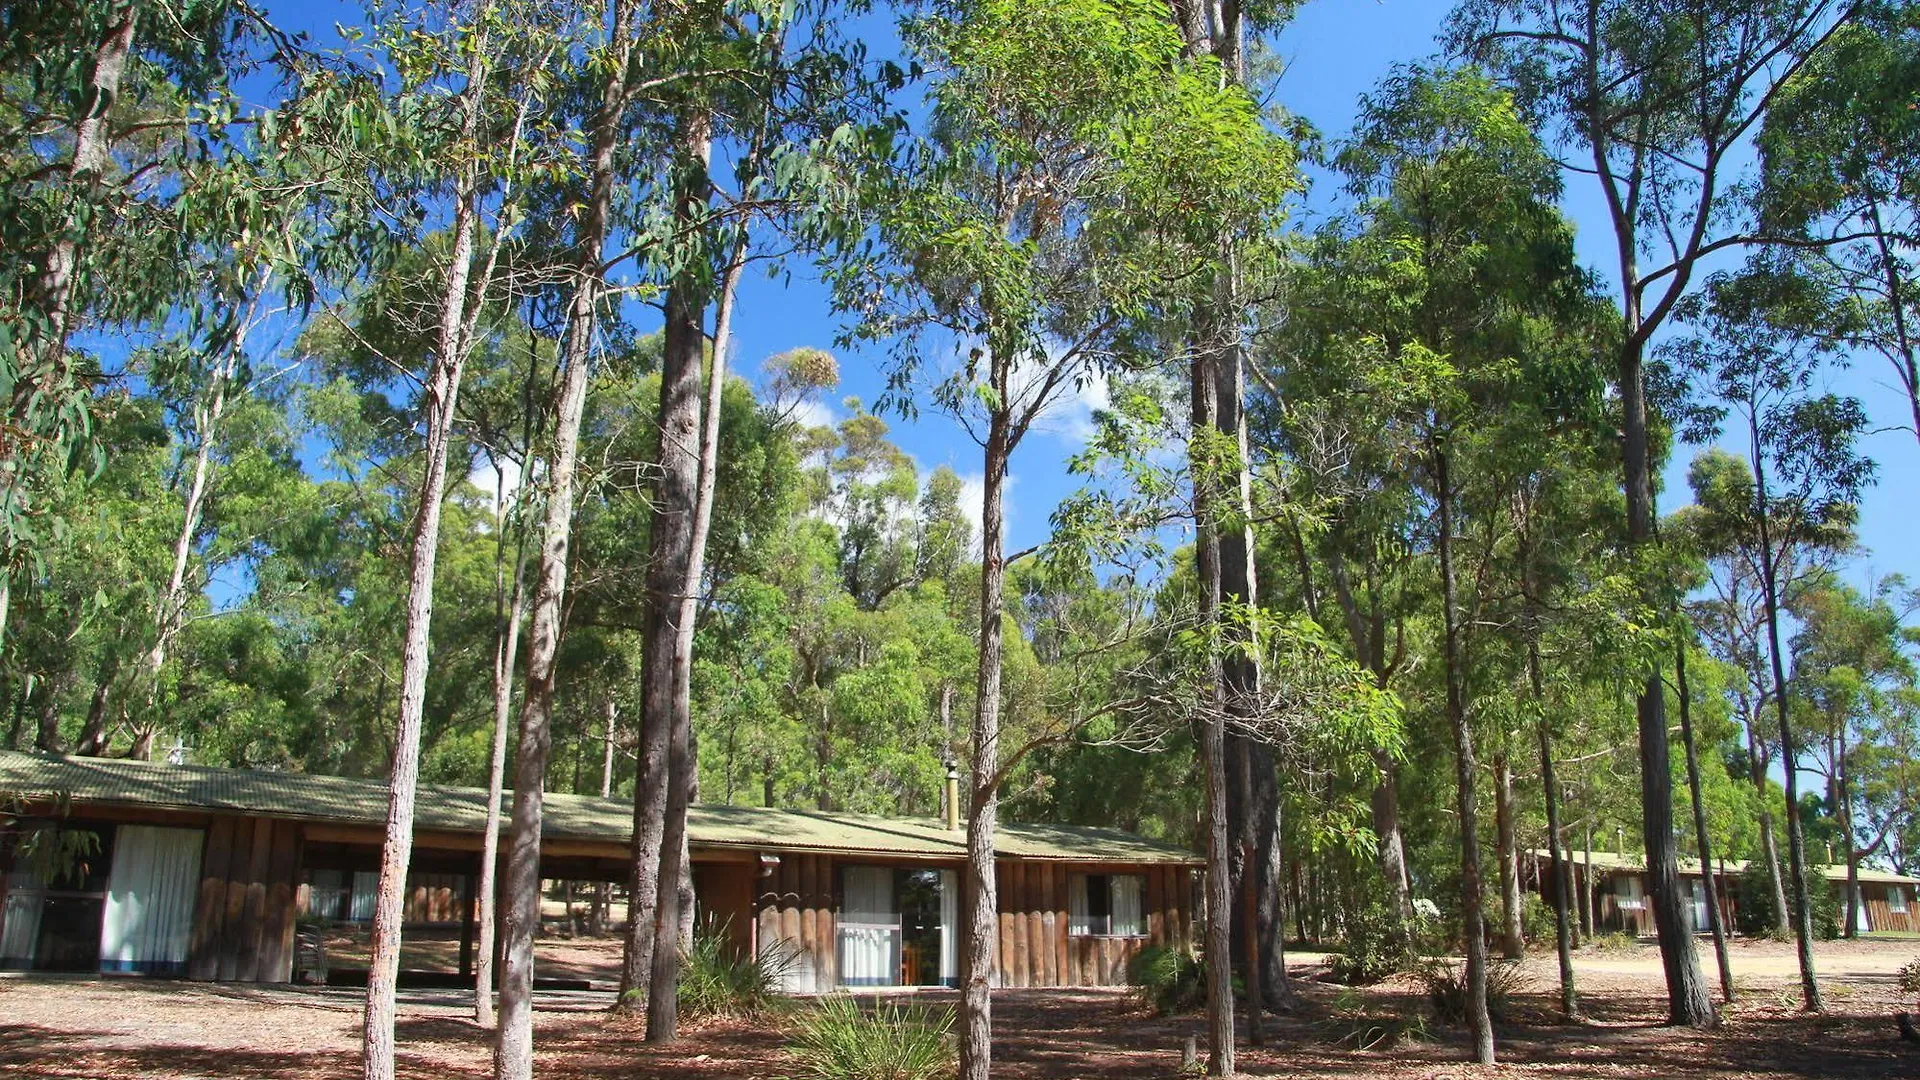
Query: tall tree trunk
(983, 810)
(1513, 938)
(93, 737)
(1204, 394)
(1844, 804)
(1789, 760)
(1586, 877)
(1392, 854)
(1769, 844)
(1370, 649)
(672, 588)
(1711, 888)
(91, 132)
(1841, 799)
(1473, 922)
(1688, 1001)
(513, 1049)
(403, 777)
(1560, 866)
(1249, 900)
(171, 604)
(508, 612)
(47, 737)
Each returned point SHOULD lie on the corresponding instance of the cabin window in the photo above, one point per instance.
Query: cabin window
(1105, 905)
(1626, 893)
(51, 917)
(1897, 899)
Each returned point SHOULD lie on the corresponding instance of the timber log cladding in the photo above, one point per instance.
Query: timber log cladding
(243, 924)
(1038, 943)
(795, 899)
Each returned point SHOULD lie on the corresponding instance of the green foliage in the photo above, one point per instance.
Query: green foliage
(841, 1040)
(716, 980)
(1376, 944)
(1753, 897)
(1910, 977)
(1612, 941)
(1171, 979)
(1446, 984)
(1536, 919)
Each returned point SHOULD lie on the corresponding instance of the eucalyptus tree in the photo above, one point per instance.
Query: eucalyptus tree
(783, 92)
(1225, 543)
(1067, 144)
(1468, 264)
(1654, 99)
(1852, 656)
(1802, 479)
(1840, 171)
(1730, 615)
(112, 101)
(470, 78)
(1562, 517)
(1348, 468)
(589, 183)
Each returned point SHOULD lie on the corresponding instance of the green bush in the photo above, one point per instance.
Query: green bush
(1447, 989)
(841, 1041)
(1910, 978)
(1612, 941)
(1378, 943)
(1172, 980)
(716, 980)
(1536, 919)
(1753, 899)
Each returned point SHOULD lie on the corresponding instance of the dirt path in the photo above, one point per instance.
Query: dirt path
(114, 1029)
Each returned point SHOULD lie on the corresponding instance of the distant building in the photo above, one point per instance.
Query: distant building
(205, 873)
(1616, 887)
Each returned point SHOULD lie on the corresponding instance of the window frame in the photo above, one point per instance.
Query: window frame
(1102, 925)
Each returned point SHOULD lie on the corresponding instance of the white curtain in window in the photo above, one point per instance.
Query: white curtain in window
(150, 899)
(21, 923)
(869, 895)
(949, 928)
(1127, 918)
(20, 920)
(1078, 921)
(326, 894)
(1897, 899)
(366, 891)
(869, 927)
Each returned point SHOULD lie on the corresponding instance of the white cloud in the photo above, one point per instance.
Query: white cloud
(973, 499)
(493, 484)
(1070, 416)
(812, 412)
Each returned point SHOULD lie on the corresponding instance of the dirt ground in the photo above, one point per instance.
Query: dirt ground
(123, 1028)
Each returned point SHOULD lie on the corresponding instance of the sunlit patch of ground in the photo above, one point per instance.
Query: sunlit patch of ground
(124, 1028)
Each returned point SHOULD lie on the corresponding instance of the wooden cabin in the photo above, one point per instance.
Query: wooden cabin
(207, 873)
(1616, 887)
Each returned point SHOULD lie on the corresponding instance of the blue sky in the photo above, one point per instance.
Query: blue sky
(1334, 51)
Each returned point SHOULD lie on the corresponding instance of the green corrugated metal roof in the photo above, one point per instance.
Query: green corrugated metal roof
(574, 817)
(1613, 860)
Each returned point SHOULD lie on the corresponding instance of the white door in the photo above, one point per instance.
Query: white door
(1701, 922)
(1860, 924)
(150, 899)
(869, 927)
